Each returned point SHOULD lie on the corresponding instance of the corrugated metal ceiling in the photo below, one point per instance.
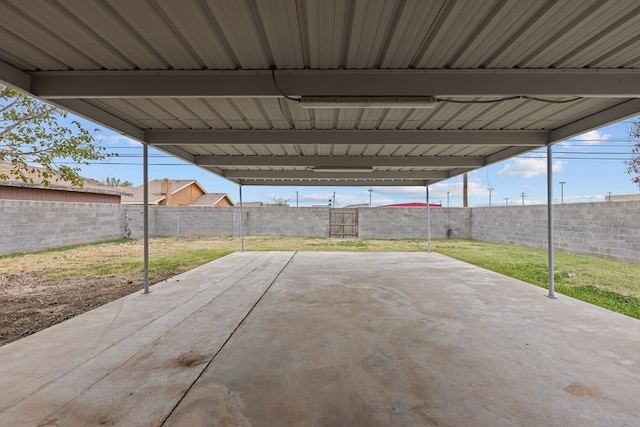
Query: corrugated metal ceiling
(589, 47)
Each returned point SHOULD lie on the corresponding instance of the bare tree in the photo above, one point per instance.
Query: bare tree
(278, 201)
(116, 182)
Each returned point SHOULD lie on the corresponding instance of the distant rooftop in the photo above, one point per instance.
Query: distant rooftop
(56, 183)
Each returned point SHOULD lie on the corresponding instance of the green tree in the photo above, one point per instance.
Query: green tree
(633, 164)
(116, 182)
(33, 132)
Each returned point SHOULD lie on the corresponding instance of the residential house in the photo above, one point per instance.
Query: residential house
(251, 204)
(412, 205)
(177, 192)
(622, 197)
(58, 190)
(212, 199)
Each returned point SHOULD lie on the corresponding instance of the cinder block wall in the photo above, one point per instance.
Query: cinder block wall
(29, 225)
(610, 230)
(176, 221)
(604, 229)
(408, 223)
(518, 225)
(286, 221)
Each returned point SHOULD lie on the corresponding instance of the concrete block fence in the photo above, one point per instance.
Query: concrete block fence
(409, 223)
(609, 230)
(29, 226)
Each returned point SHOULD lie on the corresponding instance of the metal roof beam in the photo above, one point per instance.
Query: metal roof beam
(14, 77)
(179, 153)
(602, 118)
(326, 161)
(335, 183)
(335, 83)
(368, 137)
(22, 81)
(309, 174)
(102, 117)
(503, 155)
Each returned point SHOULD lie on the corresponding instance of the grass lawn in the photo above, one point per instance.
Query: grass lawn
(611, 284)
(604, 282)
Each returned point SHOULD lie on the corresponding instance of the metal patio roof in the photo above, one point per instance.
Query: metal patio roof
(218, 82)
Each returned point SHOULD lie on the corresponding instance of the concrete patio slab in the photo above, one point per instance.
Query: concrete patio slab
(327, 339)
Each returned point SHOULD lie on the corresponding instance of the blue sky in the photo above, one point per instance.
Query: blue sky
(591, 165)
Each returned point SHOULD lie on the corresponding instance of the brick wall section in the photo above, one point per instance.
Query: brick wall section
(29, 225)
(610, 230)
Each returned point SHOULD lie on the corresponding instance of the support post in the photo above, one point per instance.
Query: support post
(428, 221)
(241, 222)
(550, 232)
(145, 213)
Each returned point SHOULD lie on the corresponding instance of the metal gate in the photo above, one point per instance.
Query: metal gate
(343, 223)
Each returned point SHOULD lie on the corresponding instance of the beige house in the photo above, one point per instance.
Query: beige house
(177, 192)
(622, 198)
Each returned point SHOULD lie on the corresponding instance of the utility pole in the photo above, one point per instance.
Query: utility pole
(297, 199)
(465, 191)
(506, 201)
(523, 196)
(609, 196)
(490, 190)
(334, 199)
(370, 191)
(562, 183)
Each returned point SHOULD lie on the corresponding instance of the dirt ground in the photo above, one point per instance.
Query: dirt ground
(30, 302)
(37, 290)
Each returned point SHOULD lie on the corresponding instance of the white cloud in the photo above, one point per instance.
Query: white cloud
(528, 167)
(475, 189)
(118, 140)
(401, 192)
(593, 137)
(305, 199)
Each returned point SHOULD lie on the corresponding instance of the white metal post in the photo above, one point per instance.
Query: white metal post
(428, 221)
(145, 214)
(241, 222)
(550, 233)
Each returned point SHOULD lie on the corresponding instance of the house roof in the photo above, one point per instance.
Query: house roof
(155, 191)
(411, 205)
(210, 199)
(57, 184)
(223, 84)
